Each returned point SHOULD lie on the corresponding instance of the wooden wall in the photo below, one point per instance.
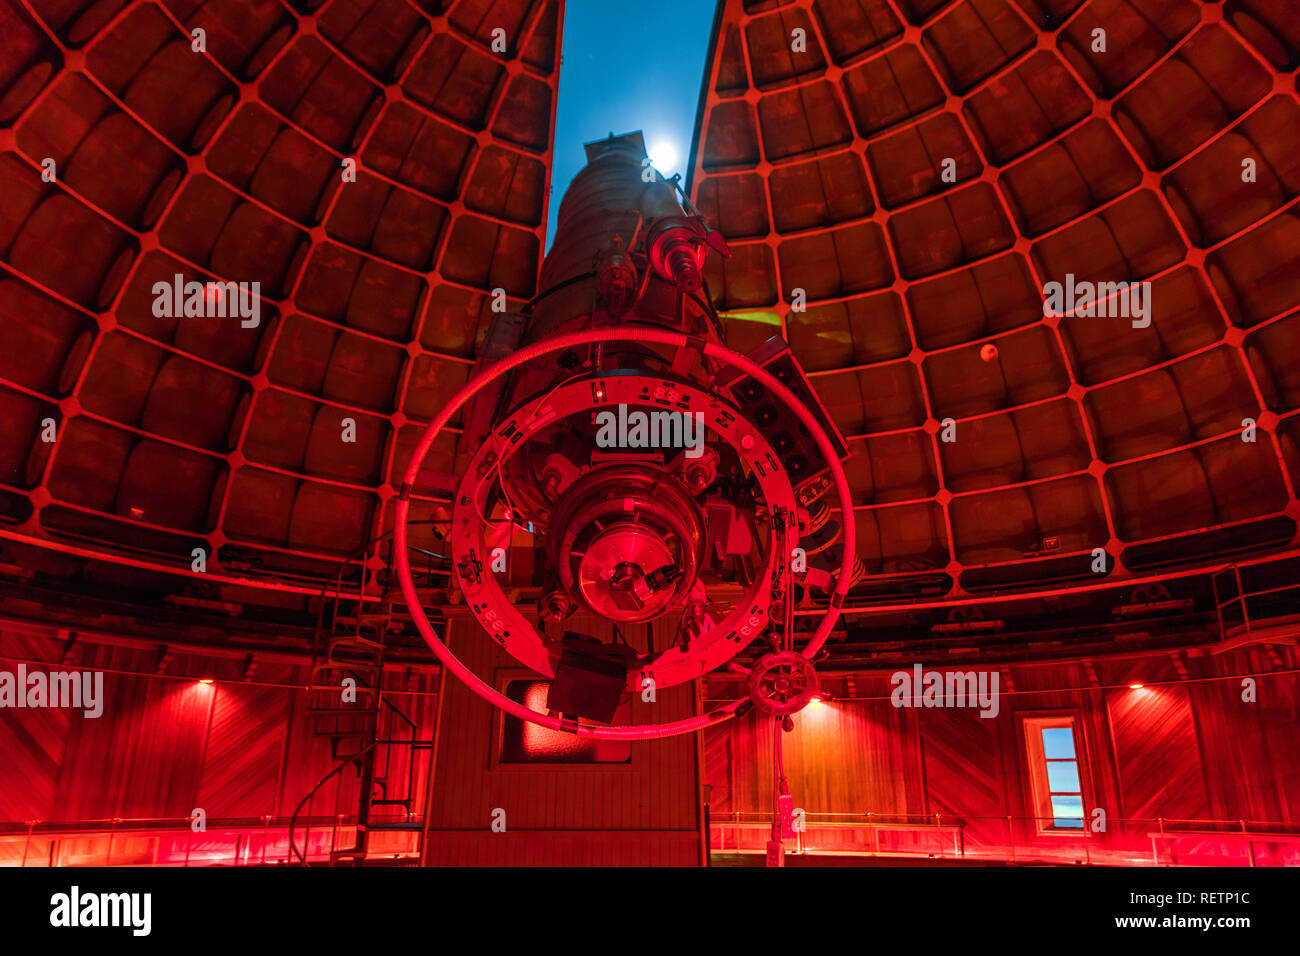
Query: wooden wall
(167, 744)
(644, 812)
(1190, 748)
(1184, 746)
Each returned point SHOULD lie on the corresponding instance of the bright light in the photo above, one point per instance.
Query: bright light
(1136, 686)
(663, 156)
(205, 680)
(814, 700)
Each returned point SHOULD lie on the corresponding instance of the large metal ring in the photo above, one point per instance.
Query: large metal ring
(576, 340)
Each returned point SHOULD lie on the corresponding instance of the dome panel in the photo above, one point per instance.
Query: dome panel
(345, 445)
(1066, 180)
(890, 88)
(994, 296)
(455, 81)
(419, 151)
(1002, 155)
(66, 248)
(143, 59)
(326, 155)
(1267, 26)
(279, 427)
(903, 164)
(258, 506)
(1197, 78)
(828, 190)
(329, 520)
(803, 120)
(1025, 107)
(731, 137)
(950, 231)
(88, 462)
(859, 330)
(524, 116)
(731, 74)
(1272, 350)
(747, 278)
(912, 538)
(852, 27)
(33, 353)
(302, 354)
(771, 57)
(319, 92)
(276, 165)
(1255, 274)
(453, 320)
(477, 19)
(836, 263)
(363, 372)
(432, 382)
(1028, 368)
(902, 466)
(880, 398)
(1144, 29)
(738, 201)
(25, 419)
(168, 486)
(373, 35)
(975, 39)
(505, 183)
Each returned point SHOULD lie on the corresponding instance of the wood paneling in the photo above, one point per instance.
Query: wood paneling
(32, 743)
(166, 745)
(1253, 745)
(846, 756)
(241, 766)
(1185, 746)
(655, 794)
(565, 848)
(1160, 770)
(963, 769)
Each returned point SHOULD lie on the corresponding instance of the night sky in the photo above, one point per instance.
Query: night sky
(628, 66)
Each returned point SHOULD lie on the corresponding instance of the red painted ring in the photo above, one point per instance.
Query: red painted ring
(593, 337)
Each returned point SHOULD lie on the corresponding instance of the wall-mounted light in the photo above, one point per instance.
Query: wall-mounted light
(1136, 686)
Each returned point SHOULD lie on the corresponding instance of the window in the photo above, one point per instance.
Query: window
(1054, 774)
(523, 742)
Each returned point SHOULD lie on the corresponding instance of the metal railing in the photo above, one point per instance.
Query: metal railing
(174, 841)
(1026, 838)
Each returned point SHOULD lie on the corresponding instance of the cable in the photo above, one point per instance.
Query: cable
(710, 312)
(572, 280)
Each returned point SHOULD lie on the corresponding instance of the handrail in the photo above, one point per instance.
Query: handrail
(357, 555)
(385, 702)
(293, 848)
(954, 819)
(171, 839)
(127, 823)
(336, 593)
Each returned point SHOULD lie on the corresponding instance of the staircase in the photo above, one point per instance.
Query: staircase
(345, 688)
(367, 730)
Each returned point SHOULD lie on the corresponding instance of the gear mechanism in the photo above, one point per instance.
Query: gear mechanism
(782, 683)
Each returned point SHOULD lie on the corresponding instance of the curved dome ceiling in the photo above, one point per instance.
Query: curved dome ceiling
(824, 167)
(825, 170)
(273, 446)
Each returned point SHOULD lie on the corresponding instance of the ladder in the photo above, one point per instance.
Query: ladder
(346, 703)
